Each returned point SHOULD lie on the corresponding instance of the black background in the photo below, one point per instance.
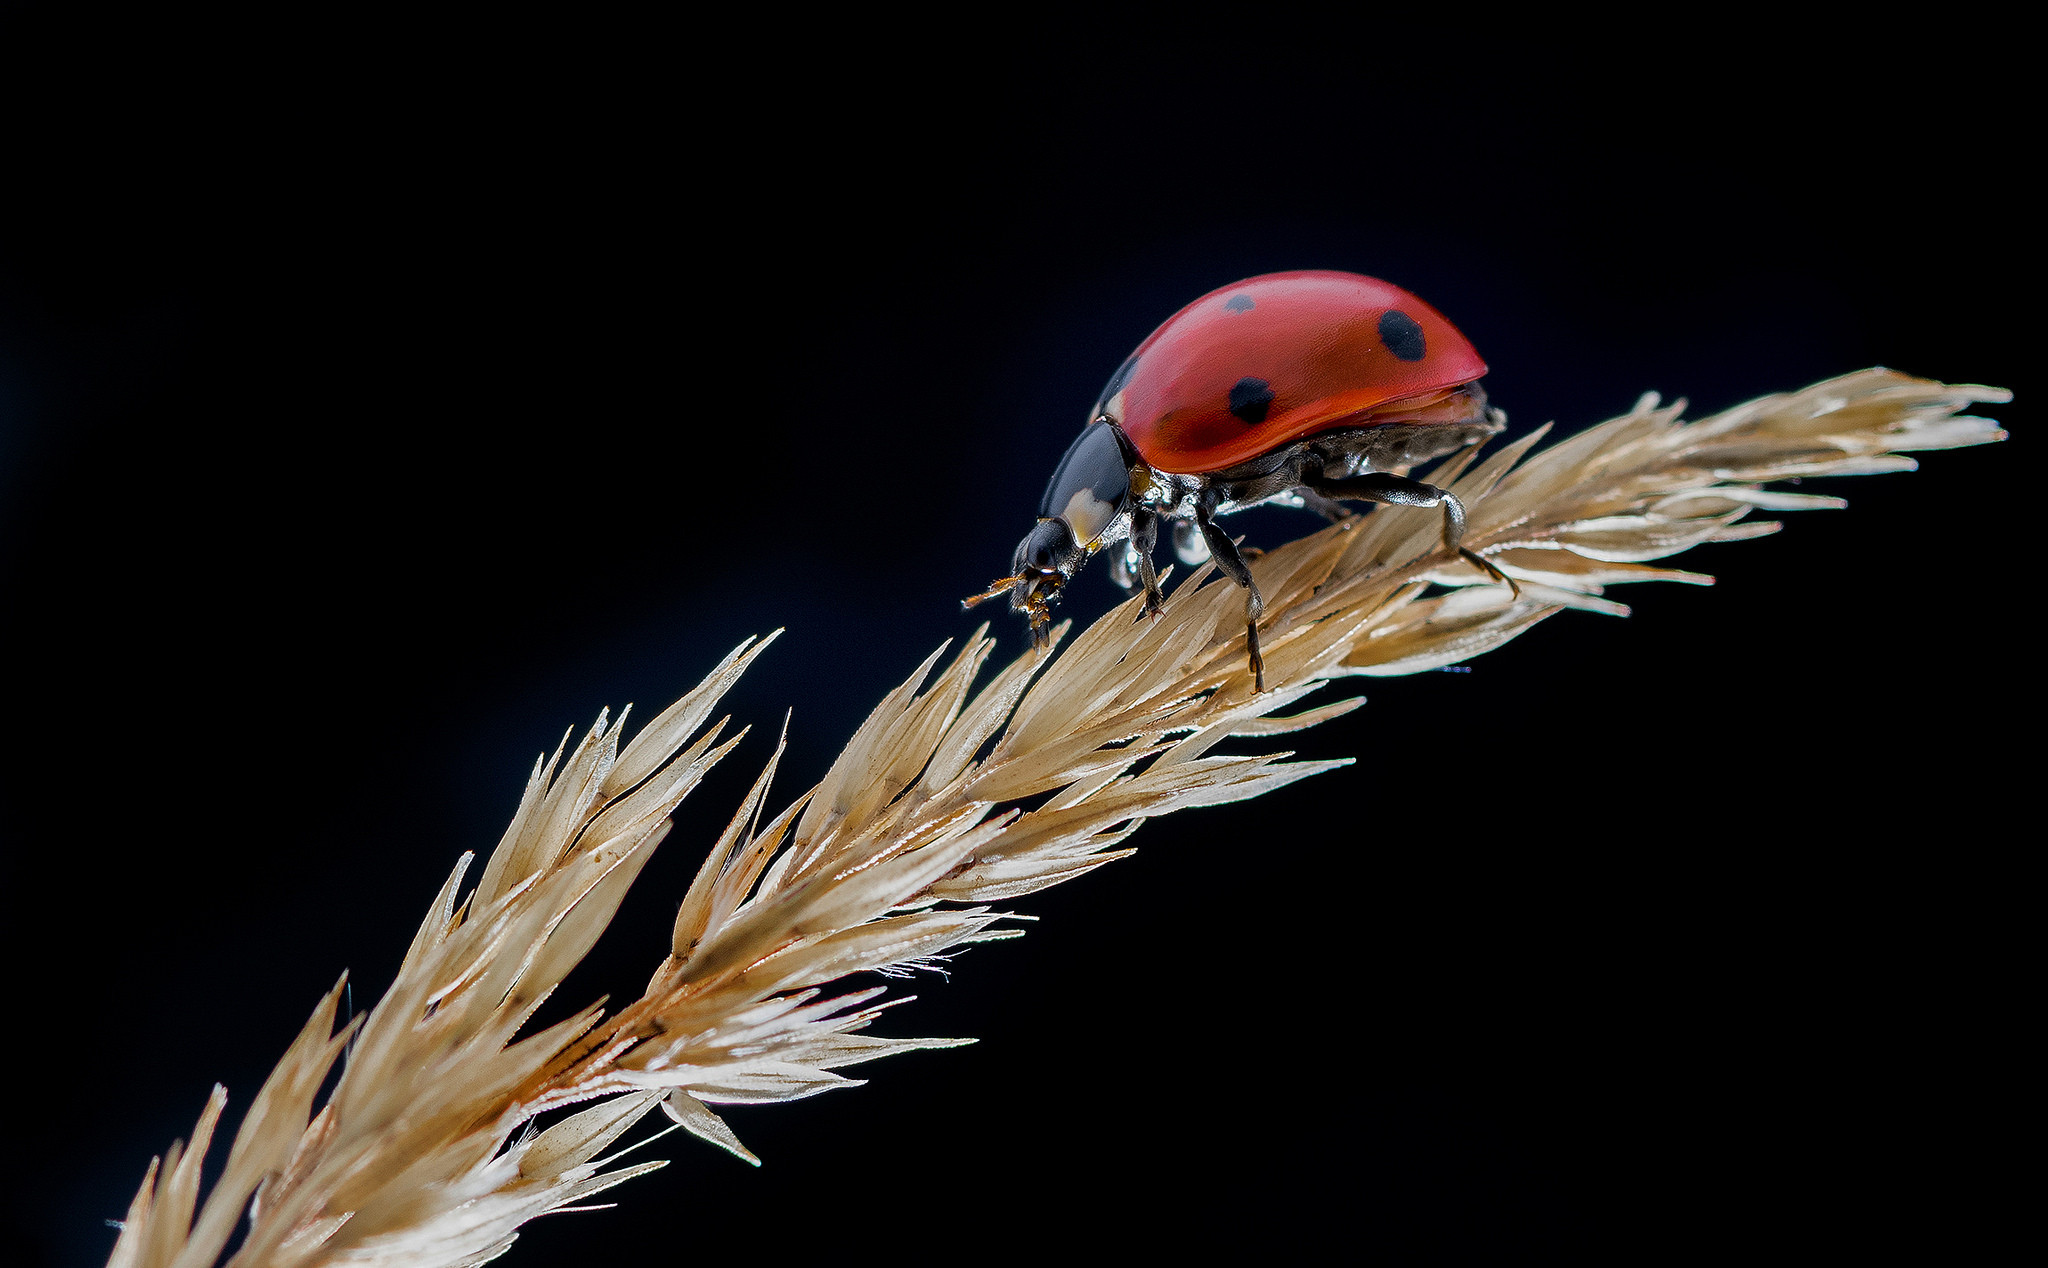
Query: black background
(381, 401)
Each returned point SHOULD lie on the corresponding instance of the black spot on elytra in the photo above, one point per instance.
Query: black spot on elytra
(1116, 381)
(1250, 399)
(1401, 335)
(1238, 304)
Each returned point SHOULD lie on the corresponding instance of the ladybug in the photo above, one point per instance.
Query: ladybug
(1306, 389)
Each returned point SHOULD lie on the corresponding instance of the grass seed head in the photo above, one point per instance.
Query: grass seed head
(425, 1153)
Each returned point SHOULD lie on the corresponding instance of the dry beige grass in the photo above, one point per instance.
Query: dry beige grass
(425, 1151)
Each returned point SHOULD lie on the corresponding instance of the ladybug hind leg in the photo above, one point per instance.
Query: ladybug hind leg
(1393, 490)
(1329, 508)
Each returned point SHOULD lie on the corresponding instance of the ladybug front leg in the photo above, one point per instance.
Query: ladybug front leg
(1224, 552)
(1393, 490)
(1144, 540)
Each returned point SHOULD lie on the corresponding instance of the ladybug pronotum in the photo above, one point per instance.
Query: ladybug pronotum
(1306, 389)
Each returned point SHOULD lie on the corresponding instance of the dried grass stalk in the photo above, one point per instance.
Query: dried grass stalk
(425, 1152)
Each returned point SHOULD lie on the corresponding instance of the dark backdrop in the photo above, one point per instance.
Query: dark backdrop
(380, 402)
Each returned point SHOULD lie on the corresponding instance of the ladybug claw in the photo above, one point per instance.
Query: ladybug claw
(1486, 566)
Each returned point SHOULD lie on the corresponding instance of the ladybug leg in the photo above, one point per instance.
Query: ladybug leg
(1393, 490)
(1224, 551)
(1329, 508)
(1144, 539)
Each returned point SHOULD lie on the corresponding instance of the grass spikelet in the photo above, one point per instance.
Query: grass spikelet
(425, 1153)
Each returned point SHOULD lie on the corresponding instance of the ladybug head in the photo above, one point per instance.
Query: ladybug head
(1086, 501)
(1046, 557)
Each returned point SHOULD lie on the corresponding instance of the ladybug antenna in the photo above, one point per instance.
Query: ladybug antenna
(1040, 613)
(996, 590)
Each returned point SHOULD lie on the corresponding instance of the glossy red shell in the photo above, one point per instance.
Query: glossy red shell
(1320, 347)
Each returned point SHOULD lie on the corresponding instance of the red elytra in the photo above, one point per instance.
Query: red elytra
(1267, 361)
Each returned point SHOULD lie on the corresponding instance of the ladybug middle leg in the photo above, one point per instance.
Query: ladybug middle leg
(1393, 490)
(1232, 564)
